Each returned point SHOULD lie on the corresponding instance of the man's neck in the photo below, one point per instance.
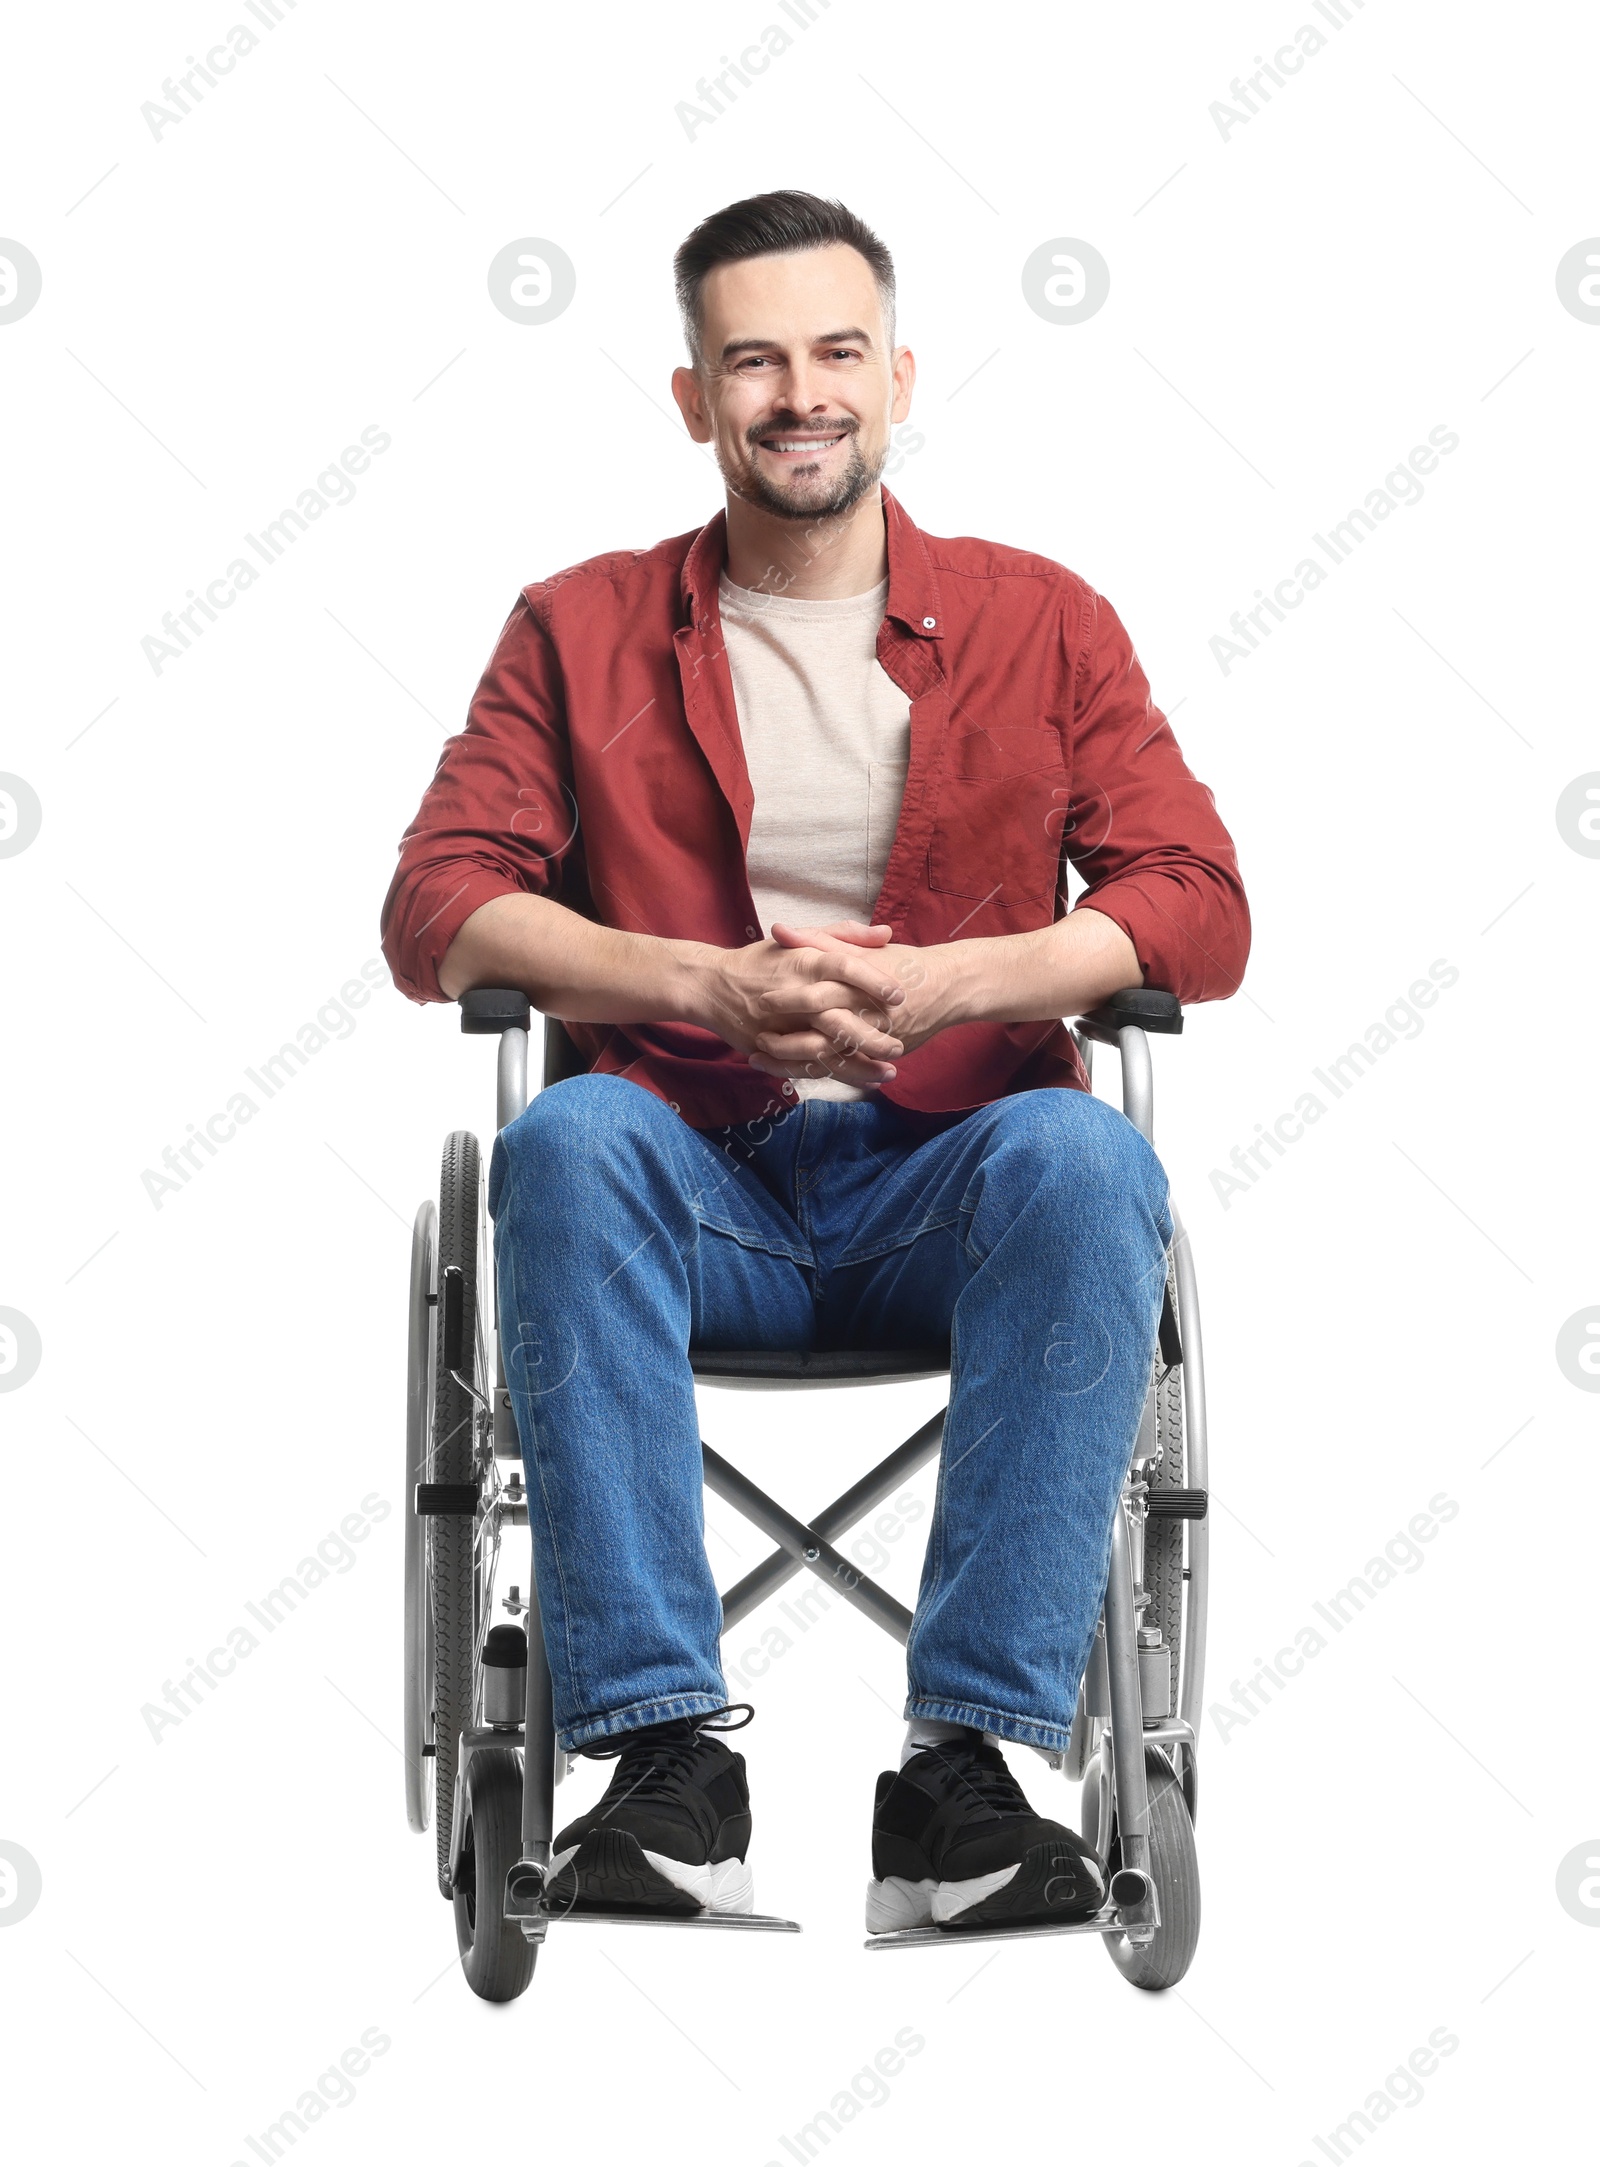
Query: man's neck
(809, 559)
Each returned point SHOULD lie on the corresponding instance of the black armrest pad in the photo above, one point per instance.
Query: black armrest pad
(1144, 1008)
(488, 1010)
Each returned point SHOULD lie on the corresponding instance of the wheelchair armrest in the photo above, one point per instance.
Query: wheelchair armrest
(488, 1010)
(1141, 1008)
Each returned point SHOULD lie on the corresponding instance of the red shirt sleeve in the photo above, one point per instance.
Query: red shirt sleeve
(498, 818)
(1143, 832)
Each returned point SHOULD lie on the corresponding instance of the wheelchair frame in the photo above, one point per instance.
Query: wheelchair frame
(1129, 1665)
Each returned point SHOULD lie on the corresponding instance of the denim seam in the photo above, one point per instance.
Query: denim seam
(929, 1707)
(763, 1242)
(890, 1243)
(933, 1560)
(805, 1177)
(791, 1252)
(664, 1707)
(530, 1450)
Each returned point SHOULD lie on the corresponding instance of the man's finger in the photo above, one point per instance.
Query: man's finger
(837, 1033)
(857, 1069)
(841, 967)
(813, 1000)
(843, 932)
(837, 1027)
(808, 997)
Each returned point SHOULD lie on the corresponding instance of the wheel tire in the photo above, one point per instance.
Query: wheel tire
(1164, 1538)
(454, 1459)
(1174, 1868)
(418, 1676)
(496, 1958)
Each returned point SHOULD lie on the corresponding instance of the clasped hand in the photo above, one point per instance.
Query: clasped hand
(836, 1000)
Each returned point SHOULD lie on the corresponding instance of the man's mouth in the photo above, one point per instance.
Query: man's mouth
(806, 445)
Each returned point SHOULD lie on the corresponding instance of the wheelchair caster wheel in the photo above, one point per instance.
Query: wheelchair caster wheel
(1157, 1960)
(495, 1955)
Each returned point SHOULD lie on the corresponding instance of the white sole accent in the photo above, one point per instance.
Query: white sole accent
(896, 1904)
(727, 1888)
(951, 1898)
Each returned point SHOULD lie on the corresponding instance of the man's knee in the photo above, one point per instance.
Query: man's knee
(576, 1135)
(1077, 1144)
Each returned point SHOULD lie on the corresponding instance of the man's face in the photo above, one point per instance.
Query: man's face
(797, 387)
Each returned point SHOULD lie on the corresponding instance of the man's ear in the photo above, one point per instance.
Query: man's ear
(904, 370)
(690, 395)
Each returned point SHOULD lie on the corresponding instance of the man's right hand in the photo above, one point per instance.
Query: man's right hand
(746, 994)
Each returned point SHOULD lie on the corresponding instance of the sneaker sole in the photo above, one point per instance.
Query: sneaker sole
(1050, 1882)
(612, 1871)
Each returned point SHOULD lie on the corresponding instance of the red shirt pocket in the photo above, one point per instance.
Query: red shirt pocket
(997, 825)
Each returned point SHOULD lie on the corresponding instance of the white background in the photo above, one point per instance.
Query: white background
(1291, 310)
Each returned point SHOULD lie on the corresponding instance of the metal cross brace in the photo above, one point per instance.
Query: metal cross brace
(810, 1546)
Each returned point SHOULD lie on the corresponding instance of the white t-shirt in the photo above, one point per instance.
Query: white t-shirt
(827, 733)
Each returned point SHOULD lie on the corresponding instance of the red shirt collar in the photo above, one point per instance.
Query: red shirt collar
(913, 585)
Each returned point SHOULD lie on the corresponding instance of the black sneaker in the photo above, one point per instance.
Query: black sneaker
(955, 1843)
(669, 1835)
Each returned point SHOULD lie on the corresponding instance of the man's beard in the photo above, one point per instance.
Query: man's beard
(817, 498)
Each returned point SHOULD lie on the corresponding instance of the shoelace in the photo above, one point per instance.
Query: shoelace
(980, 1770)
(652, 1762)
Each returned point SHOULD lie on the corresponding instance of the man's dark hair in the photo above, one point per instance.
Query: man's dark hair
(774, 225)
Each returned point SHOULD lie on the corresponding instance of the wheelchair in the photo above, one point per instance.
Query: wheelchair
(480, 1751)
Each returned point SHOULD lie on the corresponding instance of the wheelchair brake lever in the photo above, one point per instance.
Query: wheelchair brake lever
(453, 1333)
(472, 1392)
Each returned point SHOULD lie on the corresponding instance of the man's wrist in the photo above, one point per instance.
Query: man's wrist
(691, 967)
(958, 981)
(1056, 971)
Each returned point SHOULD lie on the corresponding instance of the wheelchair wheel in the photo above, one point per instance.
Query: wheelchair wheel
(1163, 1538)
(496, 1958)
(1174, 1868)
(418, 1682)
(455, 1457)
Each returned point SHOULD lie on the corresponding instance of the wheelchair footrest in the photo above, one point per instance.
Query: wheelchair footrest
(757, 1921)
(525, 1902)
(1176, 1504)
(1109, 1919)
(440, 1500)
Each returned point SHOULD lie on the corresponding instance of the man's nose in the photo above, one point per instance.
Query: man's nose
(807, 393)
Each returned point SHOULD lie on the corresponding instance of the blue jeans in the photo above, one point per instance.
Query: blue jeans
(1032, 1232)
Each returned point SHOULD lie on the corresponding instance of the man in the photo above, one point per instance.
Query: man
(773, 816)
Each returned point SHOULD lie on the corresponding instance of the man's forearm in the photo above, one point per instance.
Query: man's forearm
(586, 973)
(570, 967)
(1061, 970)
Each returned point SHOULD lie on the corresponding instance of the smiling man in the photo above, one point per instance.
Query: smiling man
(776, 817)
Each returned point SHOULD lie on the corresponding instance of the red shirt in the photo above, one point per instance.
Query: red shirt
(602, 765)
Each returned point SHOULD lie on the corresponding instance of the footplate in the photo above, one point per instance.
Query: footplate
(756, 1921)
(1132, 1910)
(525, 1902)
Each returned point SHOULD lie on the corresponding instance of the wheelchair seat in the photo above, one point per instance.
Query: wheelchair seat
(753, 1368)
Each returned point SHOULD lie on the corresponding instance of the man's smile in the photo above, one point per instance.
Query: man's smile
(793, 447)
